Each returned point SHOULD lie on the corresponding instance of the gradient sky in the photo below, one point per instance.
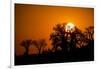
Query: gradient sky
(36, 22)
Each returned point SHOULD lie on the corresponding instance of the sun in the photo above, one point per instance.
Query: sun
(69, 26)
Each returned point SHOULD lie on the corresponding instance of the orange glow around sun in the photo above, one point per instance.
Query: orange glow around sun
(37, 22)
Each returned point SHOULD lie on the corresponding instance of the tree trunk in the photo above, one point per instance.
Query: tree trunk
(26, 53)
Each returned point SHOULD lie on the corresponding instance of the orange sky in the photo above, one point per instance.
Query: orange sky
(36, 21)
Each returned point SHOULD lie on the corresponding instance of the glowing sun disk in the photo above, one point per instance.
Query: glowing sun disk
(69, 26)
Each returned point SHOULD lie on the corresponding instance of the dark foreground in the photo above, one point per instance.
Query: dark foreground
(83, 54)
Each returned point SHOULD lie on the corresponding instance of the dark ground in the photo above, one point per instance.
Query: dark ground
(82, 54)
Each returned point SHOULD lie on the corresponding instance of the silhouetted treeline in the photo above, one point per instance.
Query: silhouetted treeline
(67, 46)
(39, 44)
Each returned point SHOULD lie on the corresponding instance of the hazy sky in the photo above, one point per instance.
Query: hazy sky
(36, 21)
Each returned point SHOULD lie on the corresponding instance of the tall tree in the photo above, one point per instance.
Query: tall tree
(65, 39)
